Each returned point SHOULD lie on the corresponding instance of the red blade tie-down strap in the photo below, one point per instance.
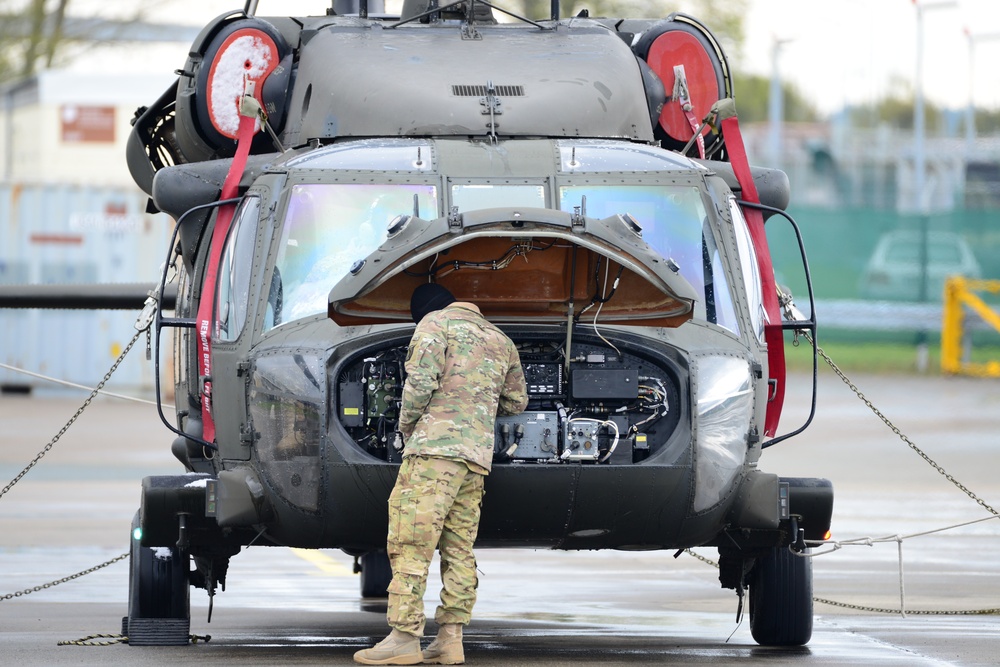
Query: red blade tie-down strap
(773, 335)
(206, 305)
(683, 97)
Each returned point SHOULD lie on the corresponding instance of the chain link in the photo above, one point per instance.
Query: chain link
(76, 416)
(877, 610)
(703, 559)
(931, 462)
(119, 639)
(28, 591)
(911, 612)
(89, 641)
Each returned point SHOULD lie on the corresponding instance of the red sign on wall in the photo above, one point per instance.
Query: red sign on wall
(87, 124)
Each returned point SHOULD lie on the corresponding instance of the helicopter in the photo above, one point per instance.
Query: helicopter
(581, 179)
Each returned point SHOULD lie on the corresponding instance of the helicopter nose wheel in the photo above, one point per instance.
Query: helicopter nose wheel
(376, 574)
(159, 603)
(781, 605)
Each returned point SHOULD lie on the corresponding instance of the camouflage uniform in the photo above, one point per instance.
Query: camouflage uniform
(461, 372)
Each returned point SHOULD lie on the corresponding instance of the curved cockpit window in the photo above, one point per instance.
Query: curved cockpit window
(371, 155)
(235, 267)
(598, 156)
(327, 227)
(674, 223)
(751, 270)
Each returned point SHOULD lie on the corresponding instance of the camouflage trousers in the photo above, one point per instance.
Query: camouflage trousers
(434, 504)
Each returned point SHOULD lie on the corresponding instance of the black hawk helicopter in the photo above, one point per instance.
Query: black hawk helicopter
(583, 180)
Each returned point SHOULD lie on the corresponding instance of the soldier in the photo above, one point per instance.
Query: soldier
(461, 372)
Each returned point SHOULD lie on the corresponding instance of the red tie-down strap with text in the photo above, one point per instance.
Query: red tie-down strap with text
(206, 305)
(773, 335)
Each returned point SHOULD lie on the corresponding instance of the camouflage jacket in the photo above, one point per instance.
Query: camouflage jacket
(461, 372)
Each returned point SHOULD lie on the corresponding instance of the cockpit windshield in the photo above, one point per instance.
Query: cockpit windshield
(675, 224)
(471, 197)
(327, 228)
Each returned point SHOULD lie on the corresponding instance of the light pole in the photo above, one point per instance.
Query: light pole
(8, 132)
(920, 167)
(776, 104)
(970, 110)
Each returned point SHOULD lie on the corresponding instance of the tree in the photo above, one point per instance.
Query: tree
(895, 108)
(752, 92)
(987, 121)
(40, 34)
(723, 17)
(30, 36)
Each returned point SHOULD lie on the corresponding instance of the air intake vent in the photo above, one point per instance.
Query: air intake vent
(480, 91)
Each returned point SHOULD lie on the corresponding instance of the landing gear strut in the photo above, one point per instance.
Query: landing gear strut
(376, 573)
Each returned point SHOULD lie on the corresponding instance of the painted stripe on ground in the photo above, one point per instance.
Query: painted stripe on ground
(324, 563)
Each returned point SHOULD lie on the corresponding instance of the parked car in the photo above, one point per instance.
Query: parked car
(893, 271)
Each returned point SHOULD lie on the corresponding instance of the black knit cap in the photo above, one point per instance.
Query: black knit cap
(428, 298)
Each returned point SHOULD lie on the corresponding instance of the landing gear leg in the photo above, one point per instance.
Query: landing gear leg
(376, 574)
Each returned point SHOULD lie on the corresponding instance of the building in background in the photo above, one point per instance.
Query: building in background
(70, 213)
(69, 127)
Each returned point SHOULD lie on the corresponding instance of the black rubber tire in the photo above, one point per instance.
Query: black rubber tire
(157, 587)
(376, 573)
(781, 604)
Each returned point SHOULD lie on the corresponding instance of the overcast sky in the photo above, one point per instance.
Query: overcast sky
(835, 51)
(851, 50)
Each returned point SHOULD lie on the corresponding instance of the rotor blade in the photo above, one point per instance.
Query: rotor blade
(105, 296)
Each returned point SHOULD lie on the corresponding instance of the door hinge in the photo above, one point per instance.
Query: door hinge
(247, 435)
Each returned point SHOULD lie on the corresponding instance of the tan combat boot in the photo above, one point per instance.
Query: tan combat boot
(399, 648)
(446, 649)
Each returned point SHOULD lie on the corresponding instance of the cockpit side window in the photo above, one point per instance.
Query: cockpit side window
(674, 223)
(233, 295)
(751, 271)
(719, 306)
(326, 228)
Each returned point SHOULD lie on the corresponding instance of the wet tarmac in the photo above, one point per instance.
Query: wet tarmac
(292, 607)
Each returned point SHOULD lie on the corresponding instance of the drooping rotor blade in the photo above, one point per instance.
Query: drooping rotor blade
(106, 296)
